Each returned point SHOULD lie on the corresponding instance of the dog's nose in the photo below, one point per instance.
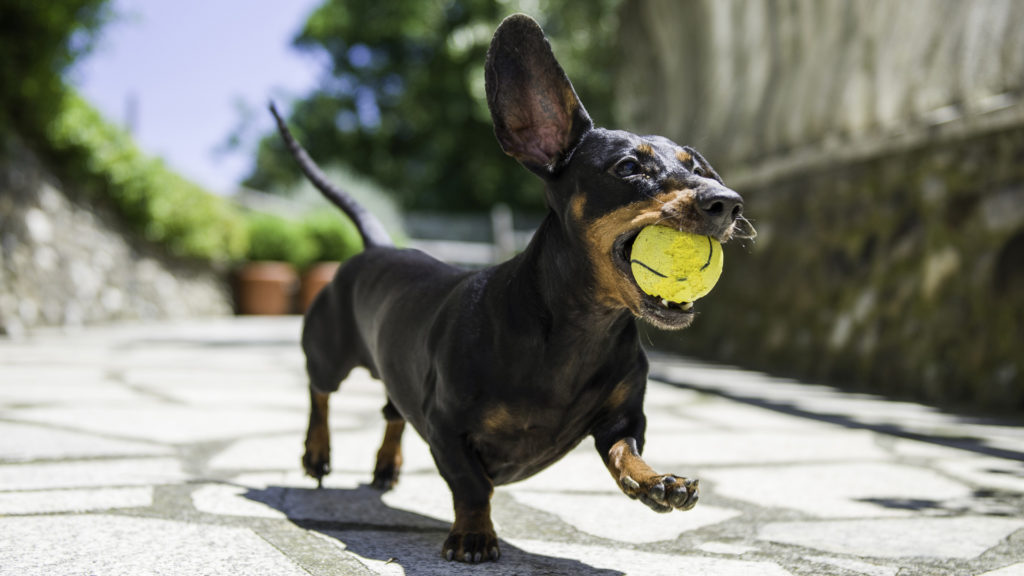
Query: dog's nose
(720, 205)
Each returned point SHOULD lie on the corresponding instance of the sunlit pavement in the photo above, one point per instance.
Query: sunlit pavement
(174, 449)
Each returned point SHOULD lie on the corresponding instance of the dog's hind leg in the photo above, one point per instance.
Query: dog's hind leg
(331, 347)
(328, 362)
(389, 457)
(324, 378)
(317, 459)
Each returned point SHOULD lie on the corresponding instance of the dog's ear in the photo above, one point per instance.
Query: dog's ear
(537, 116)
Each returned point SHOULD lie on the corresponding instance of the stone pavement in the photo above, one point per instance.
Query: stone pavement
(174, 449)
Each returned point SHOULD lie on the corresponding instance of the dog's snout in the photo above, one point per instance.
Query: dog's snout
(721, 206)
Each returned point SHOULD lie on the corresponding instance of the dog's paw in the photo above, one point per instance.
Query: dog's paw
(317, 461)
(663, 493)
(471, 547)
(385, 476)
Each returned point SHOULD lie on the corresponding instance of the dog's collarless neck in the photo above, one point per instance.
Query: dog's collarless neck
(553, 278)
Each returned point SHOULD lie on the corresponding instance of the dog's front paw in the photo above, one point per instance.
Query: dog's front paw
(471, 546)
(663, 493)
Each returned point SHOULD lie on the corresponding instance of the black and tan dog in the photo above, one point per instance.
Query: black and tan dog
(505, 370)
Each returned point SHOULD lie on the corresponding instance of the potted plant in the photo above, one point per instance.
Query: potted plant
(335, 239)
(266, 283)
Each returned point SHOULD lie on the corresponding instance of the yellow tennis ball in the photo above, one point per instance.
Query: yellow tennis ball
(675, 266)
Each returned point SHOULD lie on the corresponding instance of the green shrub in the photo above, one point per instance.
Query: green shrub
(334, 236)
(39, 41)
(165, 207)
(168, 209)
(275, 238)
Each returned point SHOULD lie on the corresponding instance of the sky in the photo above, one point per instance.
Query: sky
(191, 67)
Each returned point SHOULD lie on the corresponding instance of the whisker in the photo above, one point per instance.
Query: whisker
(742, 228)
(667, 219)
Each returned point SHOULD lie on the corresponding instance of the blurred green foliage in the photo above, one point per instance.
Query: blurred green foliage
(334, 237)
(272, 237)
(38, 42)
(165, 207)
(318, 237)
(404, 102)
(170, 210)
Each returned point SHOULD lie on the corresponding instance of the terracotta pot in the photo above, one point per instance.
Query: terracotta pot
(266, 288)
(316, 277)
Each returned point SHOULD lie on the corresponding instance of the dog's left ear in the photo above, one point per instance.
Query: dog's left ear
(537, 116)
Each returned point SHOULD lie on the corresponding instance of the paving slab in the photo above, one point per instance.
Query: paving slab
(726, 548)
(24, 442)
(772, 447)
(856, 566)
(49, 501)
(174, 448)
(962, 537)
(166, 423)
(837, 490)
(27, 385)
(418, 555)
(98, 544)
(986, 472)
(1015, 570)
(626, 561)
(91, 473)
(590, 513)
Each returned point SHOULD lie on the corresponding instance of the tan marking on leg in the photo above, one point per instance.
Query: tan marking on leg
(498, 418)
(624, 460)
(470, 519)
(619, 395)
(472, 537)
(317, 459)
(660, 492)
(389, 457)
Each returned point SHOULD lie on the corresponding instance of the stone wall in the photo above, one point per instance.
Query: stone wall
(880, 149)
(750, 82)
(64, 263)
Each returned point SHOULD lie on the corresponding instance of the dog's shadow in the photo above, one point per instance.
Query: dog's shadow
(366, 526)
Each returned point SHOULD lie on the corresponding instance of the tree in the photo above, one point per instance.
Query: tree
(39, 41)
(404, 102)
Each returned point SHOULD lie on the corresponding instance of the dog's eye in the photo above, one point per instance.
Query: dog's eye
(698, 170)
(628, 167)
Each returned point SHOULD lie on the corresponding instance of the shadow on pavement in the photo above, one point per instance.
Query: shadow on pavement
(852, 421)
(366, 526)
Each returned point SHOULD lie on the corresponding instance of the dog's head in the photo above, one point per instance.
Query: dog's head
(603, 185)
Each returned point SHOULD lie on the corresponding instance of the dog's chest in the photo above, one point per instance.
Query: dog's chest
(517, 439)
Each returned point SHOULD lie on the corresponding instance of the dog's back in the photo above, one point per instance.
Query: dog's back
(381, 299)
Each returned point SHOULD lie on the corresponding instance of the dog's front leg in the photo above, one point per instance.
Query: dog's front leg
(620, 444)
(472, 537)
(660, 492)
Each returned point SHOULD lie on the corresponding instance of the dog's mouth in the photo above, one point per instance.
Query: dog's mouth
(658, 311)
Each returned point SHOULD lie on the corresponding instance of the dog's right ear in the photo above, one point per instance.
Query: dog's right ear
(538, 118)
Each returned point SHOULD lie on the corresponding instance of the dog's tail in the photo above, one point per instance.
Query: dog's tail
(369, 226)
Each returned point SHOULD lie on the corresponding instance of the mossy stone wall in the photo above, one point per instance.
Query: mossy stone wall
(66, 262)
(900, 274)
(880, 149)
